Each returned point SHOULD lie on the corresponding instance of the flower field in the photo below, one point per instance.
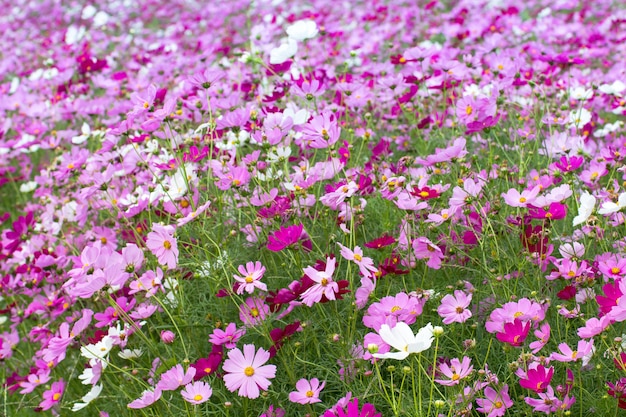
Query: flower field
(269, 208)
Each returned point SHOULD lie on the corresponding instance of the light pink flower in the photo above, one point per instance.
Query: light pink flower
(456, 371)
(162, 244)
(496, 403)
(366, 265)
(227, 337)
(308, 392)
(197, 392)
(246, 372)
(176, 377)
(569, 355)
(454, 308)
(148, 397)
(250, 277)
(324, 283)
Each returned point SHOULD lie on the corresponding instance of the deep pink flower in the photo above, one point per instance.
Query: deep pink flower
(352, 410)
(425, 249)
(308, 392)
(537, 379)
(556, 211)
(288, 236)
(246, 372)
(514, 333)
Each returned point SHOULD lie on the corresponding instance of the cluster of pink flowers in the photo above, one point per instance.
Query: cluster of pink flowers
(193, 191)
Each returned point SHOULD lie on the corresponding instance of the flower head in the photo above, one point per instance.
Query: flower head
(308, 392)
(402, 338)
(246, 372)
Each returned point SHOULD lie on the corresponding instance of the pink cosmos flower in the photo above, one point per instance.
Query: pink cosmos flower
(253, 311)
(366, 265)
(425, 249)
(148, 397)
(197, 392)
(321, 131)
(227, 337)
(175, 377)
(454, 308)
(162, 244)
(496, 403)
(324, 284)
(516, 199)
(568, 355)
(308, 392)
(455, 371)
(52, 396)
(593, 327)
(544, 335)
(246, 372)
(251, 277)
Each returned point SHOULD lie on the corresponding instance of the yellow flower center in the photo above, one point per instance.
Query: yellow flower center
(518, 314)
(468, 110)
(324, 281)
(56, 396)
(254, 311)
(395, 308)
(456, 377)
(574, 354)
(522, 199)
(103, 240)
(498, 404)
(197, 397)
(357, 257)
(309, 393)
(249, 279)
(249, 371)
(167, 245)
(615, 270)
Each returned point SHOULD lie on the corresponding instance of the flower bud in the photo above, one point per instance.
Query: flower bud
(167, 337)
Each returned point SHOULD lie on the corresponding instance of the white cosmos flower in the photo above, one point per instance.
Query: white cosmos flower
(613, 89)
(302, 29)
(587, 203)
(579, 118)
(283, 52)
(402, 338)
(98, 350)
(89, 397)
(609, 207)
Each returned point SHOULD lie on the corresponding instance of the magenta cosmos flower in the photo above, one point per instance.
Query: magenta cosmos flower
(308, 392)
(162, 244)
(352, 410)
(496, 403)
(288, 236)
(246, 372)
(250, 278)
